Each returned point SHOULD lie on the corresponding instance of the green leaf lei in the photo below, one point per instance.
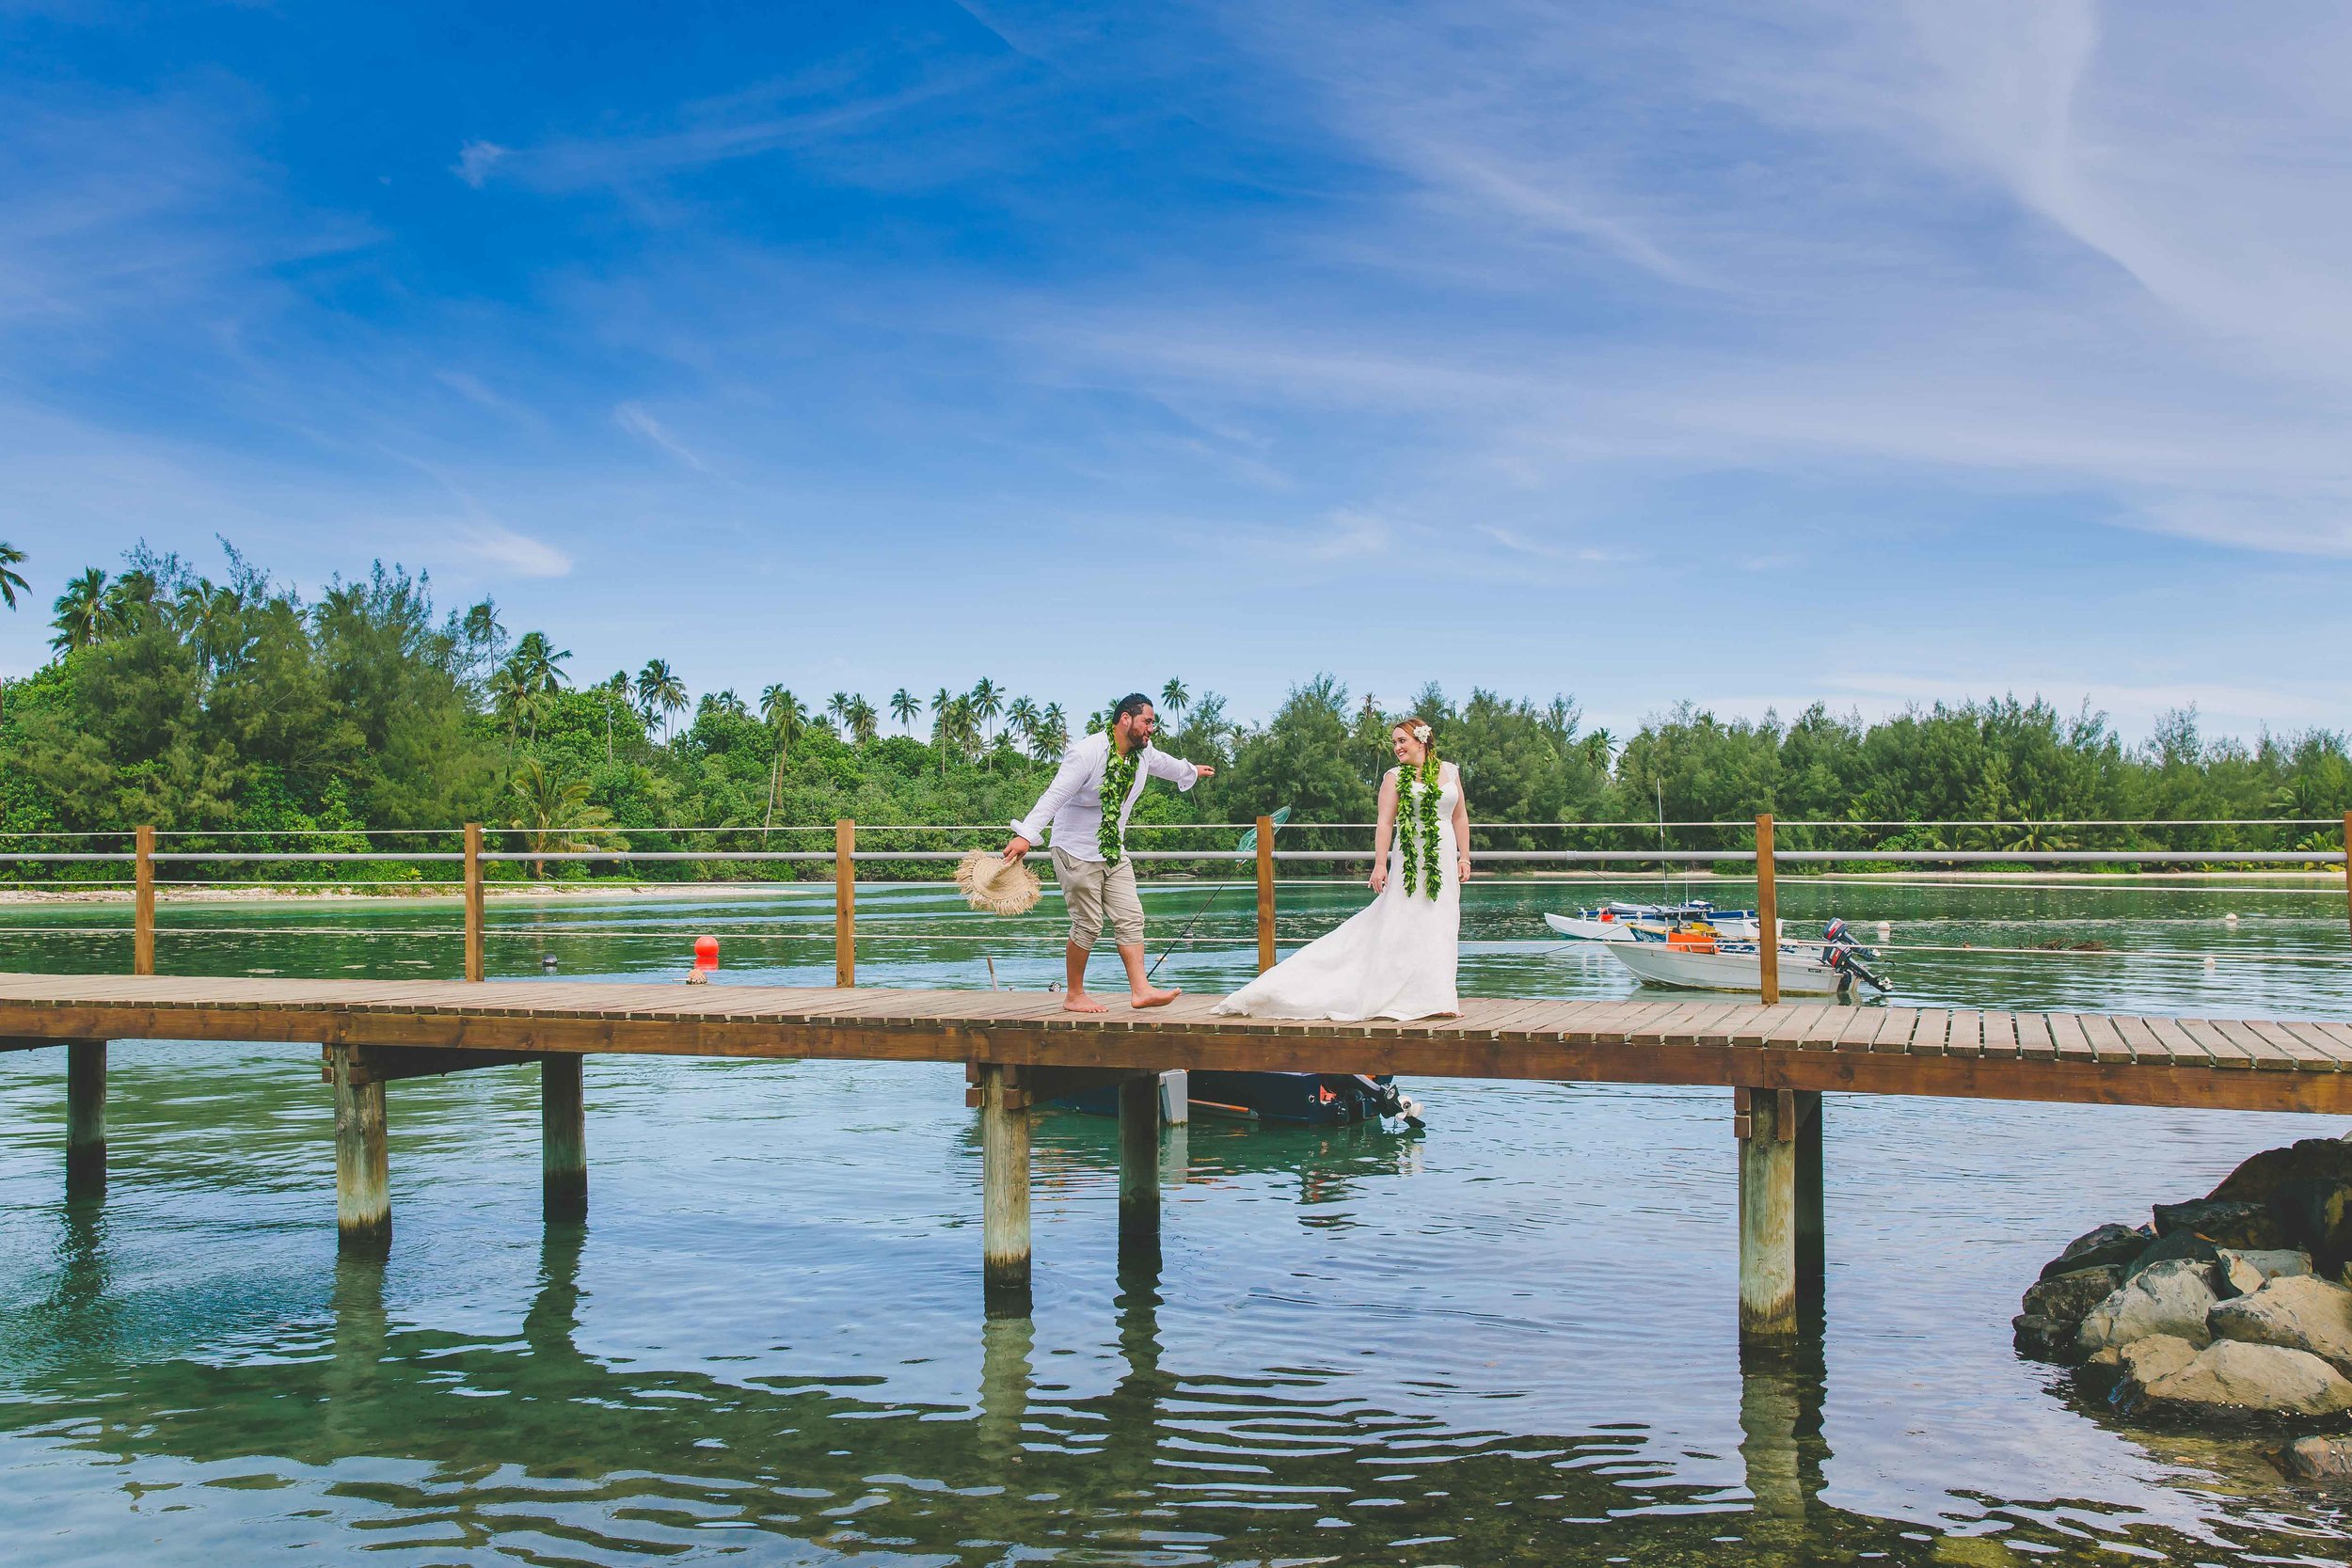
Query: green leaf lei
(1417, 825)
(1119, 777)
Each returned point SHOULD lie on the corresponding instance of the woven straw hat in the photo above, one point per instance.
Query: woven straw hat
(993, 883)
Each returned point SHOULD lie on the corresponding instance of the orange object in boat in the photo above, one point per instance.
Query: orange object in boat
(1698, 939)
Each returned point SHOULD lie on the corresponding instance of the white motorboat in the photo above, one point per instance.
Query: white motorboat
(1617, 921)
(1835, 967)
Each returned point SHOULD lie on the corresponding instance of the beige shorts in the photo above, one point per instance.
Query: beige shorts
(1094, 890)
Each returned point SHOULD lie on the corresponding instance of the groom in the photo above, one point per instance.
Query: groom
(1100, 780)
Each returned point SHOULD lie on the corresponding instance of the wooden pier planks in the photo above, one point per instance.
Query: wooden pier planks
(2297, 1065)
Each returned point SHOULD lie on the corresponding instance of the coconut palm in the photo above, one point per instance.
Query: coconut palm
(988, 700)
(786, 719)
(1053, 733)
(541, 662)
(838, 705)
(84, 618)
(905, 706)
(864, 724)
(554, 813)
(513, 699)
(660, 690)
(10, 558)
(1173, 697)
(1022, 717)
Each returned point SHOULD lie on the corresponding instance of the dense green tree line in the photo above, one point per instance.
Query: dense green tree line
(236, 707)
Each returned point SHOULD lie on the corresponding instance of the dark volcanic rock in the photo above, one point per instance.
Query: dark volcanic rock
(2110, 1243)
(2180, 1245)
(2040, 1338)
(2069, 1297)
(2249, 1227)
(2318, 1217)
(2259, 1178)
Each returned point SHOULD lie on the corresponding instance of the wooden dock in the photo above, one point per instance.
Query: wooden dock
(1019, 1048)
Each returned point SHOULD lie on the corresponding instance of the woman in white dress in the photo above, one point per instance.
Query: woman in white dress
(1396, 958)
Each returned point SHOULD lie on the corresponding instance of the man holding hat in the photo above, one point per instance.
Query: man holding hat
(1086, 805)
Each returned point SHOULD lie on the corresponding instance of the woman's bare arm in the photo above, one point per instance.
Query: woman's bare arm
(1381, 831)
(1461, 826)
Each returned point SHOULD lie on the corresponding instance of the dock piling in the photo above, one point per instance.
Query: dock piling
(1811, 1245)
(1765, 1121)
(363, 1187)
(1139, 1167)
(86, 1117)
(1004, 1190)
(562, 1139)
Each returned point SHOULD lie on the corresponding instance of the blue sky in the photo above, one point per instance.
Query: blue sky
(1866, 352)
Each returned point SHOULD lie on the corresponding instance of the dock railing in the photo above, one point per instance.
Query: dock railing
(150, 849)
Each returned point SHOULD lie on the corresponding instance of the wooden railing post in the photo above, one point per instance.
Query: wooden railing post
(1767, 911)
(473, 900)
(143, 903)
(845, 902)
(2347, 864)
(1266, 893)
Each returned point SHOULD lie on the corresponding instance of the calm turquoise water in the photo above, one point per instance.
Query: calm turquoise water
(1511, 1340)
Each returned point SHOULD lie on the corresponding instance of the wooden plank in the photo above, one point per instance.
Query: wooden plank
(2219, 1047)
(2000, 1035)
(1935, 1024)
(1967, 1034)
(1860, 1026)
(2106, 1041)
(2261, 1052)
(2033, 1036)
(2306, 1057)
(1798, 1025)
(2066, 1033)
(2338, 1052)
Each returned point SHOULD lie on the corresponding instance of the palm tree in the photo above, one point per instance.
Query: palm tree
(615, 692)
(1021, 715)
(660, 690)
(988, 700)
(940, 700)
(729, 702)
(513, 699)
(550, 808)
(838, 705)
(541, 663)
(1053, 733)
(1173, 697)
(864, 724)
(84, 617)
(10, 558)
(905, 706)
(785, 719)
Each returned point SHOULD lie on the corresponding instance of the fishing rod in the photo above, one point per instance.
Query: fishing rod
(1246, 843)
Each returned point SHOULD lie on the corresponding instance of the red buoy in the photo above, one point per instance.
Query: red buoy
(705, 951)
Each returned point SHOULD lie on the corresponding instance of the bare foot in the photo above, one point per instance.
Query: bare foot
(1080, 1002)
(1153, 998)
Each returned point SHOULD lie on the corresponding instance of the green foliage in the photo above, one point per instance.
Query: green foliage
(231, 706)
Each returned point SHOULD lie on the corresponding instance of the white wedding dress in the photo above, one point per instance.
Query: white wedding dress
(1393, 958)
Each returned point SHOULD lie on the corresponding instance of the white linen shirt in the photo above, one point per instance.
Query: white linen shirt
(1072, 803)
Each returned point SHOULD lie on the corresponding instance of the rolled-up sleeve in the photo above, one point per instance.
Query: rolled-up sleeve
(1068, 780)
(1184, 775)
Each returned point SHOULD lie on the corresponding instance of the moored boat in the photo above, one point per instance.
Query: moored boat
(1839, 967)
(1620, 921)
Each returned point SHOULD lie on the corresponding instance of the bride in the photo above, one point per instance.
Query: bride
(1396, 958)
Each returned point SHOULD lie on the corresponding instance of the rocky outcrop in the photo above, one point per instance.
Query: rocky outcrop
(2232, 1381)
(2242, 1273)
(2170, 1297)
(2261, 1178)
(2319, 1459)
(2299, 1312)
(2110, 1243)
(2249, 1226)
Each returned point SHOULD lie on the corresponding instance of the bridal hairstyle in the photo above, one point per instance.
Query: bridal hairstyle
(1414, 724)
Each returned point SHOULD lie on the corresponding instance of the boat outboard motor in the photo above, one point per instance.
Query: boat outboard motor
(1847, 956)
(1393, 1102)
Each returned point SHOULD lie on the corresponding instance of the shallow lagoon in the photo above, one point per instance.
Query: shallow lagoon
(1509, 1341)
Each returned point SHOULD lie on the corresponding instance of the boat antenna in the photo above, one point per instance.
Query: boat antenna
(1246, 843)
(1665, 885)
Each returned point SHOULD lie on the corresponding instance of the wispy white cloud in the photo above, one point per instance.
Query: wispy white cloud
(635, 419)
(477, 160)
(504, 549)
